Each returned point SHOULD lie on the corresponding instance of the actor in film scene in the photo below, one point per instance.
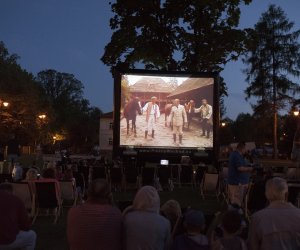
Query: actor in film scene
(178, 118)
(152, 114)
(205, 111)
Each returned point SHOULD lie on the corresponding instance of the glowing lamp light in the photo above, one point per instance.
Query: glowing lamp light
(5, 104)
(223, 124)
(296, 112)
(42, 116)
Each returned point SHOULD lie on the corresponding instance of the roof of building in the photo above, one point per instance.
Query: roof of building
(107, 115)
(151, 84)
(191, 84)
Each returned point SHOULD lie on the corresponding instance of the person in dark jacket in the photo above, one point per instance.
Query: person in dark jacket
(192, 239)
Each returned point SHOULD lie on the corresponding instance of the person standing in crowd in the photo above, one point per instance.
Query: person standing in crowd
(193, 238)
(143, 227)
(17, 172)
(152, 114)
(205, 111)
(96, 224)
(178, 118)
(15, 230)
(238, 175)
(277, 226)
(13, 150)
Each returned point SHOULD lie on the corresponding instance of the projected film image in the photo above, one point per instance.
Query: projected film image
(166, 111)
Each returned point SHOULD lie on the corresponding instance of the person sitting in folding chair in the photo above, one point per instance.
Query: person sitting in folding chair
(15, 230)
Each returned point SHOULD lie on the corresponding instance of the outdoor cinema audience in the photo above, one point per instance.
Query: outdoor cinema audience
(143, 227)
(96, 224)
(277, 226)
(15, 230)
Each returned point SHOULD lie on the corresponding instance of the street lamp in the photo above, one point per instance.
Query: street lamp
(296, 112)
(5, 104)
(223, 124)
(42, 116)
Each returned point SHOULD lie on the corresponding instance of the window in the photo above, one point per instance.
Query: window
(110, 141)
(111, 125)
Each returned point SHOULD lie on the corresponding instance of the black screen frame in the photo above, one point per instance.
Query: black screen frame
(117, 75)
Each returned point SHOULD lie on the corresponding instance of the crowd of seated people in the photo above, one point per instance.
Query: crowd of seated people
(147, 225)
(98, 224)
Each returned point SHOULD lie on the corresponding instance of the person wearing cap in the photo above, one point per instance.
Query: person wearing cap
(152, 114)
(192, 239)
(96, 224)
(143, 227)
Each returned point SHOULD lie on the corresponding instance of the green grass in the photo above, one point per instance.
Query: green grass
(53, 237)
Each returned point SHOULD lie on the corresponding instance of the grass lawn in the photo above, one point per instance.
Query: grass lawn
(53, 237)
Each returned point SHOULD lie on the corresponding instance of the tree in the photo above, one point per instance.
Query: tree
(64, 92)
(273, 57)
(175, 35)
(25, 98)
(72, 114)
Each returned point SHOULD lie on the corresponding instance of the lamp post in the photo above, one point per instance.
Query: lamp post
(41, 121)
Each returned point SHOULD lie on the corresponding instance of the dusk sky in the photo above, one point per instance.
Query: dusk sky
(70, 36)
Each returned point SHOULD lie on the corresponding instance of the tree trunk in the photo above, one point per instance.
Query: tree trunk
(275, 153)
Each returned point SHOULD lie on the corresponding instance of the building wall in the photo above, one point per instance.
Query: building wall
(106, 134)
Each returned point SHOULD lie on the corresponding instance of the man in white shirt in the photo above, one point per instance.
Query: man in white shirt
(205, 111)
(152, 114)
(178, 118)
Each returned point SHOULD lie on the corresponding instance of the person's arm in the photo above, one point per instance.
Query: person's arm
(209, 112)
(245, 169)
(168, 240)
(197, 110)
(145, 107)
(184, 115)
(158, 112)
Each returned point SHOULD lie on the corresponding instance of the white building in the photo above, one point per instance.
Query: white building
(106, 135)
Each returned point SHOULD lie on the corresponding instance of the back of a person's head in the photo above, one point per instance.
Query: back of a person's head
(49, 173)
(276, 189)
(240, 145)
(146, 199)
(231, 221)
(171, 209)
(68, 174)
(31, 174)
(194, 221)
(6, 187)
(99, 190)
